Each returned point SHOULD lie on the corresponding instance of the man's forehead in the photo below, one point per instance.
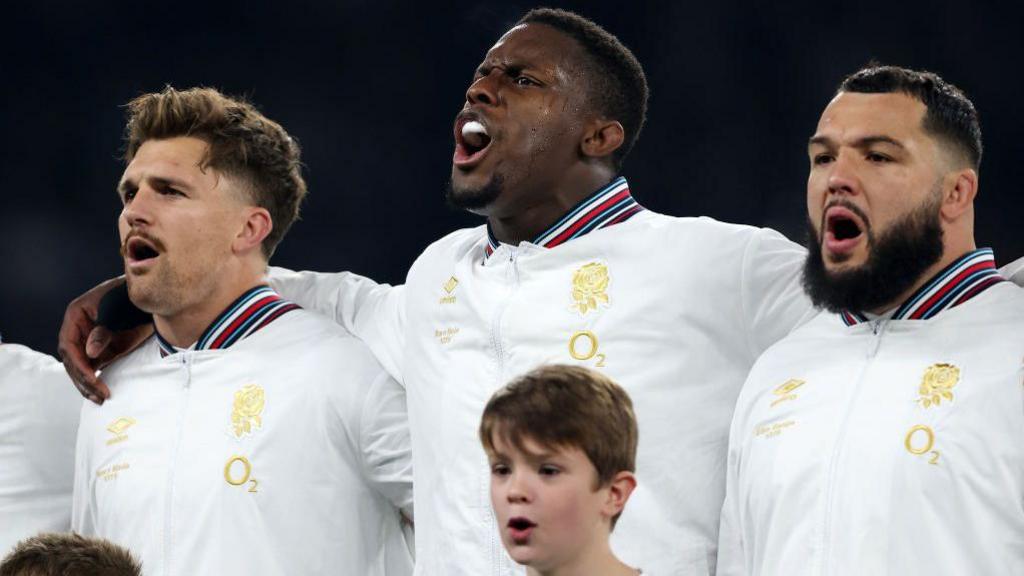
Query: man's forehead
(852, 115)
(177, 158)
(532, 43)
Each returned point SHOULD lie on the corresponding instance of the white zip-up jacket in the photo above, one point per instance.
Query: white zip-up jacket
(674, 309)
(889, 446)
(38, 419)
(276, 445)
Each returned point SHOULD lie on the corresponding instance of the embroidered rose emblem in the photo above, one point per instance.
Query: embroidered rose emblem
(247, 410)
(937, 383)
(589, 286)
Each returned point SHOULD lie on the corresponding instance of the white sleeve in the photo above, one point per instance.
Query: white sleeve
(773, 298)
(384, 442)
(375, 313)
(81, 500)
(731, 561)
(1014, 271)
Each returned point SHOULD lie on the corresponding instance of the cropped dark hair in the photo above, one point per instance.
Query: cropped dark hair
(243, 143)
(60, 554)
(950, 117)
(563, 406)
(616, 85)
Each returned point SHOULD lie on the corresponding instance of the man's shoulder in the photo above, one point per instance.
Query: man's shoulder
(455, 244)
(713, 234)
(145, 354)
(301, 334)
(15, 358)
(999, 305)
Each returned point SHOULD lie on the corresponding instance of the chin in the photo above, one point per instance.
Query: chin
(477, 199)
(526, 556)
(148, 297)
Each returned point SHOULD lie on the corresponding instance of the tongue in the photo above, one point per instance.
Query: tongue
(477, 140)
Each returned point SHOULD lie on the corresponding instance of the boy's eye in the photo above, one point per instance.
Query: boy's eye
(549, 470)
(499, 469)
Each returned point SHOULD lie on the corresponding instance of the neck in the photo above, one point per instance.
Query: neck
(599, 561)
(184, 327)
(527, 222)
(950, 253)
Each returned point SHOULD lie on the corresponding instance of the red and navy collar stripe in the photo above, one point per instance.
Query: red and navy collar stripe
(250, 312)
(965, 278)
(606, 207)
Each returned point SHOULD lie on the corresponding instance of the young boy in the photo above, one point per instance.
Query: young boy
(561, 441)
(59, 554)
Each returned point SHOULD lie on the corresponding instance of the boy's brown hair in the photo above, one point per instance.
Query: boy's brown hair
(243, 143)
(562, 406)
(68, 555)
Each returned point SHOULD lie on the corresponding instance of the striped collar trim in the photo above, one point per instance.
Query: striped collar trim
(608, 206)
(965, 278)
(250, 312)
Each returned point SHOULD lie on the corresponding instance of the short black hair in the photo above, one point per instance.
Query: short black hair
(950, 116)
(617, 85)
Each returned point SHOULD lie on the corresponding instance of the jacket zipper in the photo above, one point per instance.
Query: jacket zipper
(877, 330)
(186, 361)
(497, 548)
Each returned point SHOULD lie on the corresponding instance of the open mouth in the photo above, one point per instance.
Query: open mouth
(519, 529)
(139, 250)
(843, 229)
(472, 140)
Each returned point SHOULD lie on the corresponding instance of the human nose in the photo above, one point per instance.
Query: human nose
(842, 176)
(138, 211)
(483, 90)
(518, 489)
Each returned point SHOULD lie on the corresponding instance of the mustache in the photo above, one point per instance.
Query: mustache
(849, 206)
(134, 233)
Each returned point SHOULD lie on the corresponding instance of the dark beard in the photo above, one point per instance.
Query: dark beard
(896, 260)
(475, 200)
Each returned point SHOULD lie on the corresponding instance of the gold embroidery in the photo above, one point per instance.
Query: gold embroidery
(589, 287)
(445, 336)
(773, 429)
(937, 383)
(449, 287)
(785, 390)
(591, 350)
(451, 284)
(118, 427)
(929, 443)
(110, 472)
(247, 411)
(246, 467)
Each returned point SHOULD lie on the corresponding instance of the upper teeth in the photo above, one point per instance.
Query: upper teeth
(473, 127)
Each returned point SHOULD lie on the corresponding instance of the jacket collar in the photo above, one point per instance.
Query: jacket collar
(253, 310)
(963, 279)
(608, 206)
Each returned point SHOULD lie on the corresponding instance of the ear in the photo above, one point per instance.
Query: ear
(255, 228)
(958, 191)
(619, 490)
(601, 138)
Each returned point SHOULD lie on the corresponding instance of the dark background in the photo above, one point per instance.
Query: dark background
(370, 90)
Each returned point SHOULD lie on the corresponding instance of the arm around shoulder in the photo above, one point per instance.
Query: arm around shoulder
(774, 301)
(375, 313)
(385, 443)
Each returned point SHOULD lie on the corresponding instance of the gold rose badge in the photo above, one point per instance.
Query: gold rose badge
(589, 287)
(247, 410)
(937, 383)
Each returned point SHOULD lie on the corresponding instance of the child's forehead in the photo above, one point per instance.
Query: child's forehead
(530, 448)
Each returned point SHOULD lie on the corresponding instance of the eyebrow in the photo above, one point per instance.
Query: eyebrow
(863, 142)
(128, 184)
